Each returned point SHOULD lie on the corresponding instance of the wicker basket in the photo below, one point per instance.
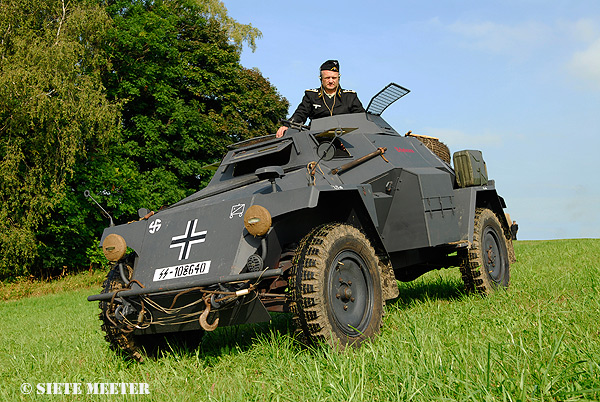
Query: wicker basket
(434, 144)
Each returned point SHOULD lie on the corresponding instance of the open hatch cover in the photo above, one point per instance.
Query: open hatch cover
(386, 97)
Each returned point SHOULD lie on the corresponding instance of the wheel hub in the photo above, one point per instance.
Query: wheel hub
(491, 256)
(351, 287)
(491, 248)
(345, 293)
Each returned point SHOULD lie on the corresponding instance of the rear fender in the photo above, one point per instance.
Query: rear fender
(491, 200)
(471, 198)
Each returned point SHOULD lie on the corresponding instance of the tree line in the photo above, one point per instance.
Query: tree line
(126, 98)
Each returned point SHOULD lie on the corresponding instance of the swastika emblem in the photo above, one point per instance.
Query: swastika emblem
(154, 226)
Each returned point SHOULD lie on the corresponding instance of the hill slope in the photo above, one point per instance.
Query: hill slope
(537, 341)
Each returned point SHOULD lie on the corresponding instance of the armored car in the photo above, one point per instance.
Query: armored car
(320, 223)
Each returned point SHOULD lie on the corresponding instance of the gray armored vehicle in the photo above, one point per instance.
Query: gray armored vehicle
(320, 223)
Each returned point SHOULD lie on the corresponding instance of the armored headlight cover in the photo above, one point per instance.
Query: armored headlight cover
(114, 247)
(257, 220)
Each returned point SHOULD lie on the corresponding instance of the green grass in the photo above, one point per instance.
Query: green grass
(28, 288)
(538, 341)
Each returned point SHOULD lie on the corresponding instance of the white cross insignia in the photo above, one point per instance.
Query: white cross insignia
(186, 240)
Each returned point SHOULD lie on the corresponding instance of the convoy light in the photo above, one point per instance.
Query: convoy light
(114, 247)
(257, 220)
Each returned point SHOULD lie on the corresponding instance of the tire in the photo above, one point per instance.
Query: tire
(122, 339)
(335, 286)
(486, 265)
(119, 340)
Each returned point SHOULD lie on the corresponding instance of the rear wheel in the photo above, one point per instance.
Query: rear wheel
(486, 265)
(336, 287)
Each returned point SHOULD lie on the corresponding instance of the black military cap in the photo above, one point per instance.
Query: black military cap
(331, 65)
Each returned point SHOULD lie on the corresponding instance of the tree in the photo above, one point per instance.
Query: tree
(53, 109)
(186, 96)
(175, 69)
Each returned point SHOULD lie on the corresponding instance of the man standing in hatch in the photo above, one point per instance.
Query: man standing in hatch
(328, 100)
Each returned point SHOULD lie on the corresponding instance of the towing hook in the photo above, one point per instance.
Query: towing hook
(203, 322)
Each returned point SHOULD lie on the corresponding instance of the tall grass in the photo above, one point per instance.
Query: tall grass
(538, 341)
(25, 287)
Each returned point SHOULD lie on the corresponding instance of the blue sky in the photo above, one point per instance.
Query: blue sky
(519, 80)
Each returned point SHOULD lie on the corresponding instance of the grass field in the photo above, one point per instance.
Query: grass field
(538, 341)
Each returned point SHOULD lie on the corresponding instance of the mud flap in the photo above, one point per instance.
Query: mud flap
(389, 286)
(249, 310)
(512, 257)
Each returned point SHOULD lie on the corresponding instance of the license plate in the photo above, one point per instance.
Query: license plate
(181, 271)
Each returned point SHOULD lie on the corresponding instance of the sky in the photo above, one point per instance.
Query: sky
(518, 80)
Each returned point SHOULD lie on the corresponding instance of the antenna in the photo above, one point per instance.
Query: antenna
(88, 194)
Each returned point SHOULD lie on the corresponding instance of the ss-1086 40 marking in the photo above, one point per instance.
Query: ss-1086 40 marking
(181, 271)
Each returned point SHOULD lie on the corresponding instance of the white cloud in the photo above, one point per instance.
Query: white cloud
(584, 29)
(516, 40)
(545, 41)
(556, 214)
(585, 64)
(456, 139)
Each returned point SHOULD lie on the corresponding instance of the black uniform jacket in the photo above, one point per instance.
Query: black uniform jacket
(316, 104)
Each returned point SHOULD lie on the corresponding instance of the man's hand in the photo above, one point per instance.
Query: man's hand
(281, 131)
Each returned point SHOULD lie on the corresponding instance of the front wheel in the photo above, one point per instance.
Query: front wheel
(121, 337)
(486, 265)
(336, 287)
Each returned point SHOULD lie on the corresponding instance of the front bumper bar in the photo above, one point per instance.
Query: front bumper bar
(269, 273)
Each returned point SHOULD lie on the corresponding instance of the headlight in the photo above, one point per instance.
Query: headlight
(114, 247)
(257, 220)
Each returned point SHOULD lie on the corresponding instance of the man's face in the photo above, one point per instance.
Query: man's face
(330, 80)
